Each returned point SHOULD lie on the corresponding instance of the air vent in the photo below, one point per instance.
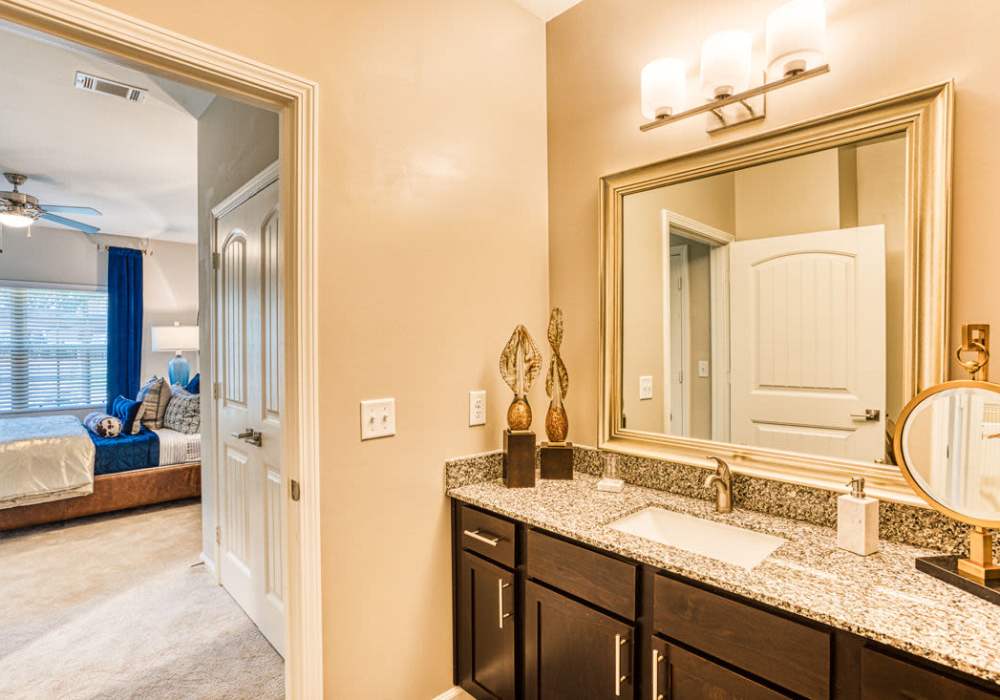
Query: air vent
(85, 81)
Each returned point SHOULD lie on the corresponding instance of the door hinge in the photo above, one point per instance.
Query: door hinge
(218, 534)
(216, 390)
(215, 261)
(294, 490)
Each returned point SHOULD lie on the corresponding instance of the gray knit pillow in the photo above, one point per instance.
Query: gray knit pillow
(155, 396)
(183, 412)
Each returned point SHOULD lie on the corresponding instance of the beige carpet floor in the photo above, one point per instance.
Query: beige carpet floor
(110, 607)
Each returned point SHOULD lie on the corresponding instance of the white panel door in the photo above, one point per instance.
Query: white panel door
(808, 342)
(251, 496)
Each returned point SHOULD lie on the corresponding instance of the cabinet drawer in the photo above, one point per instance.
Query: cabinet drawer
(602, 580)
(785, 652)
(488, 535)
(681, 675)
(884, 677)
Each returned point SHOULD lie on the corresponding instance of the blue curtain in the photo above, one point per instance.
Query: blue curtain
(124, 322)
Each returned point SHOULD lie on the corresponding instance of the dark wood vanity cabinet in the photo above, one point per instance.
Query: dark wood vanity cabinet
(541, 617)
(572, 651)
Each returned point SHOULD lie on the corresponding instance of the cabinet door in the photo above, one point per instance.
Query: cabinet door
(677, 674)
(486, 625)
(572, 651)
(885, 677)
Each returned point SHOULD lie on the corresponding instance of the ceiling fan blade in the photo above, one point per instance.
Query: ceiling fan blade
(78, 225)
(67, 209)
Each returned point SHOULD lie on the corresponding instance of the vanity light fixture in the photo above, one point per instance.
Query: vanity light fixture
(794, 41)
(663, 87)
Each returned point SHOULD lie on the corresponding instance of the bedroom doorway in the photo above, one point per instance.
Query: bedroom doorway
(190, 62)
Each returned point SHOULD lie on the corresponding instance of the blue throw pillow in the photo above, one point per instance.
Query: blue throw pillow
(194, 386)
(126, 411)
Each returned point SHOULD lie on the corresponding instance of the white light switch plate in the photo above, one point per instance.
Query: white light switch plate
(378, 418)
(477, 407)
(702, 368)
(645, 387)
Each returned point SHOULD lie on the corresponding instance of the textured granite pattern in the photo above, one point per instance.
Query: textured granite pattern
(473, 469)
(881, 597)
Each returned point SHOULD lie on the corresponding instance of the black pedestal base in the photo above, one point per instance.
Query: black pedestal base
(518, 458)
(946, 569)
(556, 460)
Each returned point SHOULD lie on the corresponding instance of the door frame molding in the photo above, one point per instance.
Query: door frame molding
(164, 52)
(718, 260)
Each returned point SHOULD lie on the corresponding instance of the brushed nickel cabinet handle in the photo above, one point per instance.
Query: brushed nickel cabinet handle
(485, 539)
(619, 678)
(657, 658)
(501, 615)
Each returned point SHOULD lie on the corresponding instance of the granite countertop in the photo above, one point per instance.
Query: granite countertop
(881, 597)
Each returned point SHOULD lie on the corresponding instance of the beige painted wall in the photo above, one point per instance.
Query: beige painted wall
(432, 247)
(797, 195)
(709, 201)
(60, 256)
(597, 49)
(235, 143)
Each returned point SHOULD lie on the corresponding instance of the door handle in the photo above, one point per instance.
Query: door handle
(485, 539)
(501, 615)
(619, 678)
(869, 414)
(657, 659)
(249, 436)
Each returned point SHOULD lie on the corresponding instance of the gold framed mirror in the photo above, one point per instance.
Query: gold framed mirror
(652, 384)
(947, 445)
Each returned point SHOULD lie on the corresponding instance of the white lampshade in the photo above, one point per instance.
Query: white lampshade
(796, 37)
(664, 87)
(725, 63)
(175, 338)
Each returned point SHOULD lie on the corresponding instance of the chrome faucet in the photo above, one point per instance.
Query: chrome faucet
(722, 480)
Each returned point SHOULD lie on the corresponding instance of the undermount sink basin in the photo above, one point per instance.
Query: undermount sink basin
(733, 545)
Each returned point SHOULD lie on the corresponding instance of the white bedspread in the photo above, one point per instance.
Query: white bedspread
(178, 448)
(44, 458)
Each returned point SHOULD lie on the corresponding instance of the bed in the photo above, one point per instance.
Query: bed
(53, 469)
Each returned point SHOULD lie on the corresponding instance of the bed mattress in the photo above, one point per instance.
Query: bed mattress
(44, 458)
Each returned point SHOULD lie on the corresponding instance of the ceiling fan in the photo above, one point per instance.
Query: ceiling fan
(19, 210)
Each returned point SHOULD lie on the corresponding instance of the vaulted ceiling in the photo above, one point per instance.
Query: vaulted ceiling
(136, 163)
(546, 9)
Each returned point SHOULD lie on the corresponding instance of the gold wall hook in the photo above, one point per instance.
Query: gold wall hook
(975, 338)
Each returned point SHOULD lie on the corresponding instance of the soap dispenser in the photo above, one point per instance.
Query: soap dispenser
(857, 520)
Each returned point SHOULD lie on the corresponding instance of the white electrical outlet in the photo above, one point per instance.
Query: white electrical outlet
(477, 407)
(702, 368)
(378, 418)
(645, 387)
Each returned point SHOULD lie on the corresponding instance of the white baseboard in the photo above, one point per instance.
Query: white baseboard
(455, 692)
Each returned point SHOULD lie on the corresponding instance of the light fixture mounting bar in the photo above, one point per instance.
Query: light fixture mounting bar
(738, 97)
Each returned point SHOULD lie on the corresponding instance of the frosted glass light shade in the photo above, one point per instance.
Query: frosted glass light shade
(664, 87)
(174, 338)
(796, 37)
(15, 220)
(725, 63)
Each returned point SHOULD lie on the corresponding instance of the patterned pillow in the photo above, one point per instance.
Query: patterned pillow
(154, 395)
(183, 412)
(103, 425)
(127, 411)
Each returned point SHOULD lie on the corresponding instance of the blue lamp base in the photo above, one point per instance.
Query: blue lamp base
(178, 370)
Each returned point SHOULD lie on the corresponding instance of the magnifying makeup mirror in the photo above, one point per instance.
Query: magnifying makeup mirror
(947, 444)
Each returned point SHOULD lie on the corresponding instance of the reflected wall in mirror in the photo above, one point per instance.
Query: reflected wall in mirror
(949, 445)
(765, 306)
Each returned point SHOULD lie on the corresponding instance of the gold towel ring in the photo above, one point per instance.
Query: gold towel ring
(973, 366)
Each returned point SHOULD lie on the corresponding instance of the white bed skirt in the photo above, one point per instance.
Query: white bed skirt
(44, 458)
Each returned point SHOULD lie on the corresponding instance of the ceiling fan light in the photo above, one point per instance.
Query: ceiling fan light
(15, 219)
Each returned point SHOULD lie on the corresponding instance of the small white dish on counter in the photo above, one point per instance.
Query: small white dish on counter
(726, 543)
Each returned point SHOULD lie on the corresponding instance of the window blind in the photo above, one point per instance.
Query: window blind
(53, 348)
